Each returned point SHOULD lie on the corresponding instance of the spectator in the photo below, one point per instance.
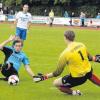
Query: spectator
(1, 12)
(71, 17)
(82, 17)
(98, 16)
(51, 17)
(6, 10)
(66, 14)
(11, 12)
(45, 12)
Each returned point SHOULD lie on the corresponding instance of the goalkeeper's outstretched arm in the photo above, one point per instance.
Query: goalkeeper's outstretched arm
(61, 65)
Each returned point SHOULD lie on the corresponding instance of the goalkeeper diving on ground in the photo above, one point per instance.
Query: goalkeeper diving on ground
(77, 59)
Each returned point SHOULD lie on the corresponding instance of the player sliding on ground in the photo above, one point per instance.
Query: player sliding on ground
(75, 56)
(13, 58)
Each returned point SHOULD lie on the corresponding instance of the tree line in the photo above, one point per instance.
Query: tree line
(90, 7)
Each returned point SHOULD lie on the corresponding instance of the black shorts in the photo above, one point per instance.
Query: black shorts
(70, 81)
(10, 71)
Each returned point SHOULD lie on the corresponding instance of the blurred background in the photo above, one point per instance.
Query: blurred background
(42, 7)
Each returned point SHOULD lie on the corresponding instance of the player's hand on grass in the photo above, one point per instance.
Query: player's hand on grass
(39, 77)
(97, 58)
(12, 38)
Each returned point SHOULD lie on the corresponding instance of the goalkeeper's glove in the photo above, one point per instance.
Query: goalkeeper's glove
(39, 77)
(96, 58)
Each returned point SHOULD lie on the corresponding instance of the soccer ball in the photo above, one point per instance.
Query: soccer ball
(13, 80)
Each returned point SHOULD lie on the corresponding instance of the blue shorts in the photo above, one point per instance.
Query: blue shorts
(20, 32)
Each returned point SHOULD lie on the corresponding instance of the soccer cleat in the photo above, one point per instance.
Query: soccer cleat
(76, 92)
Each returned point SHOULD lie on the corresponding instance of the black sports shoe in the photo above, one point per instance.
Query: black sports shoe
(3, 79)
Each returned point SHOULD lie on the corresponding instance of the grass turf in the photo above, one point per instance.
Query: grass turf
(43, 46)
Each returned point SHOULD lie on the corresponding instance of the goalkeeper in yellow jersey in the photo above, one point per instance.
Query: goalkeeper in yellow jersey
(77, 58)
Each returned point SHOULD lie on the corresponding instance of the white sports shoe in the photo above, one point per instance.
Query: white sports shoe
(76, 92)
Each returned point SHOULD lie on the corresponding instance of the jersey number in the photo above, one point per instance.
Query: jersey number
(81, 55)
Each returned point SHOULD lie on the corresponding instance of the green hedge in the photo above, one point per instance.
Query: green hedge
(91, 11)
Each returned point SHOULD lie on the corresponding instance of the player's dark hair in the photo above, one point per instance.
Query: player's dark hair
(70, 35)
(17, 41)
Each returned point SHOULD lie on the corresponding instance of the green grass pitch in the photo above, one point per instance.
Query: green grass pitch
(43, 46)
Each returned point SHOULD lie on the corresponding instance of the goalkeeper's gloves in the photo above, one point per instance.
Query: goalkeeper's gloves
(39, 77)
(96, 58)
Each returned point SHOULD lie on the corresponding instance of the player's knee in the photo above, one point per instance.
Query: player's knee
(55, 83)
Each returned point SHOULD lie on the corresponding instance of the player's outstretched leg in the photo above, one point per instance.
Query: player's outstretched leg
(65, 87)
(4, 79)
(94, 79)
